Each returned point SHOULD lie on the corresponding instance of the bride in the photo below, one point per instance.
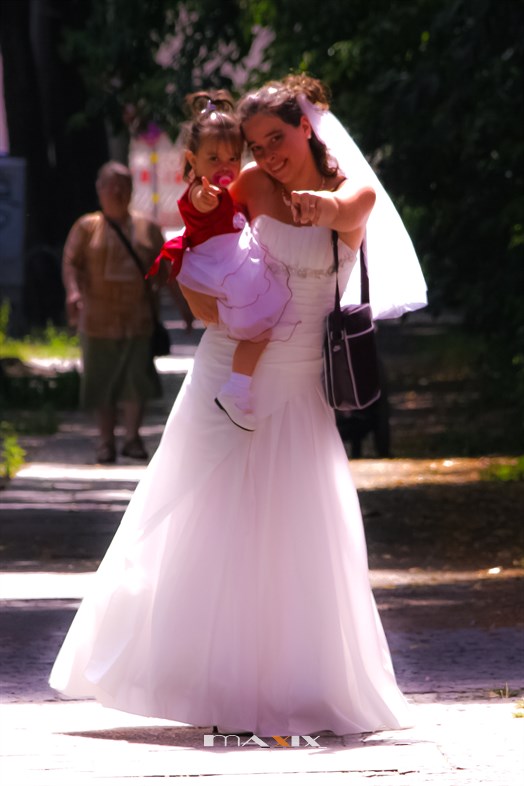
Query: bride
(235, 592)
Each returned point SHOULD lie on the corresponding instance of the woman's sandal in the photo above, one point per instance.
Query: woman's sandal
(135, 449)
(106, 453)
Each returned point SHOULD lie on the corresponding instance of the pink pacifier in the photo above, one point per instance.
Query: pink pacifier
(223, 179)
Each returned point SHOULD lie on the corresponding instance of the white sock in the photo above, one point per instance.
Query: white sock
(238, 386)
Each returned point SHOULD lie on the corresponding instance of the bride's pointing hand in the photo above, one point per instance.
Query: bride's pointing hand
(313, 207)
(345, 209)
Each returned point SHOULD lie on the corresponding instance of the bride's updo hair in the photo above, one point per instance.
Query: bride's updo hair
(212, 115)
(280, 98)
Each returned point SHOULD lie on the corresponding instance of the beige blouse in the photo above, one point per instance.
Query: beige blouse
(98, 268)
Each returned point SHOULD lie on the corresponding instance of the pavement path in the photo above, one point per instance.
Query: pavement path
(56, 519)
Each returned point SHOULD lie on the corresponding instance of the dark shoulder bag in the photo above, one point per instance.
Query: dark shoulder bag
(351, 377)
(160, 342)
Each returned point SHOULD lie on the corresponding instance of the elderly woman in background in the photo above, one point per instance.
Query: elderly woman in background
(108, 302)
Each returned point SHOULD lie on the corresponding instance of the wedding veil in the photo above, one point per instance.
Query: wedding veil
(396, 283)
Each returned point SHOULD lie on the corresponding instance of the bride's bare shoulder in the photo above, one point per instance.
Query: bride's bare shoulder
(252, 187)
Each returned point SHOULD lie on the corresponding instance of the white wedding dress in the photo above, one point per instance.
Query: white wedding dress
(236, 592)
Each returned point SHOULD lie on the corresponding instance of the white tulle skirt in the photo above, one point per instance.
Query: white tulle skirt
(236, 591)
(251, 300)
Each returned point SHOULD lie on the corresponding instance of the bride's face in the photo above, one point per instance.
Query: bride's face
(279, 148)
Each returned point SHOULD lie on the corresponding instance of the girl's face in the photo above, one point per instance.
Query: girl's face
(279, 148)
(215, 159)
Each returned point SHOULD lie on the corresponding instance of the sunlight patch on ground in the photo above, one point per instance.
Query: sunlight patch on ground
(81, 472)
(44, 586)
(169, 364)
(394, 473)
(40, 585)
(65, 741)
(367, 473)
(386, 579)
(176, 365)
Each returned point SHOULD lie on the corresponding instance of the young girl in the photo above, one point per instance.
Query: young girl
(217, 254)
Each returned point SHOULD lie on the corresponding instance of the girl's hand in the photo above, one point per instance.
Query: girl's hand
(204, 196)
(313, 207)
(204, 307)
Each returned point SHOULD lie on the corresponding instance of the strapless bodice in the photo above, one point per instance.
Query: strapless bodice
(305, 256)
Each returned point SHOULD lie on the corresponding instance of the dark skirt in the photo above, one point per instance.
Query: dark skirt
(117, 370)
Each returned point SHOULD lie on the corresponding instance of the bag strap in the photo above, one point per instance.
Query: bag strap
(364, 278)
(136, 260)
(336, 317)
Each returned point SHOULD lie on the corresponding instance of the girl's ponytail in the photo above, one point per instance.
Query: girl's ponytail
(211, 114)
(213, 100)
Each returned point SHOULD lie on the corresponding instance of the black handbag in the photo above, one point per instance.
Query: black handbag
(160, 341)
(351, 377)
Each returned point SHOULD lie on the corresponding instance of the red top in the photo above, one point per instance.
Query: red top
(199, 227)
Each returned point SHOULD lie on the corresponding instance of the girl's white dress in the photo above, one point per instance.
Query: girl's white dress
(235, 592)
(251, 299)
(218, 255)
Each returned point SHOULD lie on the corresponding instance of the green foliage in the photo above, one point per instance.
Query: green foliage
(508, 471)
(40, 420)
(24, 386)
(5, 310)
(52, 342)
(11, 453)
(504, 693)
(59, 343)
(139, 59)
(431, 90)
(42, 392)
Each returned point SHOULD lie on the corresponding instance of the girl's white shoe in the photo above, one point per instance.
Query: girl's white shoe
(238, 416)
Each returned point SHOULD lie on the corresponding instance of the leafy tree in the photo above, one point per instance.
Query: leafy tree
(432, 91)
(139, 59)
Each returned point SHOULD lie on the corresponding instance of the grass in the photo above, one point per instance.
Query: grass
(49, 342)
(42, 419)
(52, 342)
(11, 453)
(504, 693)
(32, 398)
(506, 471)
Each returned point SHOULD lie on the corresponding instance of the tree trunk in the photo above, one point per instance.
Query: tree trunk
(78, 149)
(24, 117)
(42, 95)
